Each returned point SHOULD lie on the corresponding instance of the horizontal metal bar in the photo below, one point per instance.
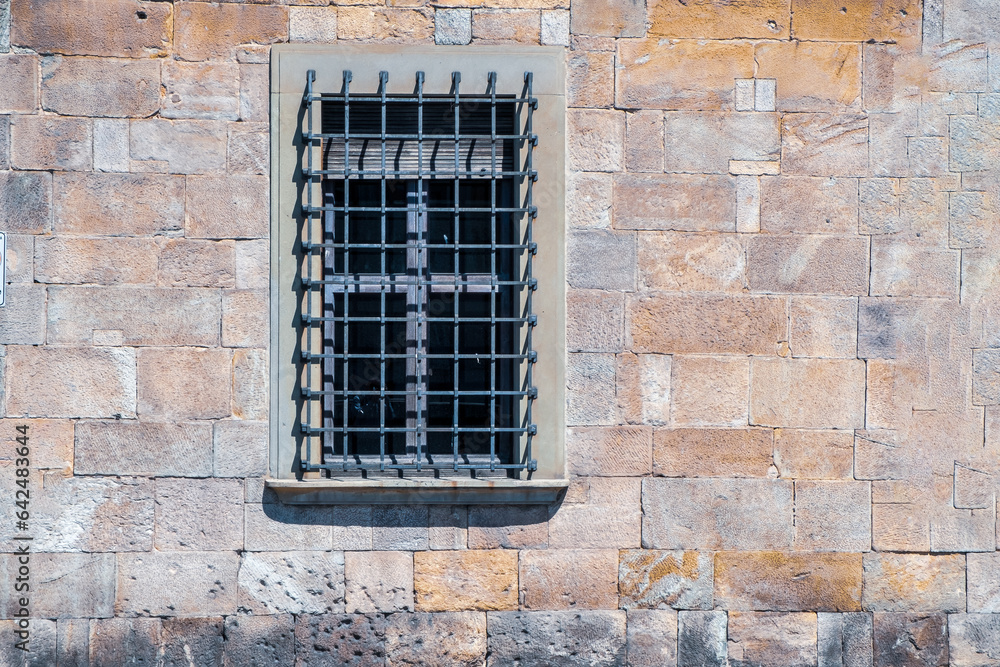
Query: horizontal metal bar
(412, 98)
(316, 430)
(312, 282)
(310, 320)
(309, 356)
(315, 393)
(403, 209)
(530, 465)
(415, 173)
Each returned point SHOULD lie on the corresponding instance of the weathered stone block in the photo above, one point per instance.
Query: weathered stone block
(963, 530)
(22, 319)
(858, 21)
(51, 142)
(123, 28)
(590, 81)
(230, 207)
(705, 142)
(100, 87)
(398, 527)
(644, 141)
(807, 393)
(465, 580)
(511, 527)
(4, 143)
(804, 205)
(683, 74)
(185, 263)
(694, 323)
(774, 581)
(66, 585)
(262, 641)
(70, 382)
(51, 442)
(453, 26)
(305, 528)
(184, 383)
(817, 144)
(665, 579)
(900, 527)
(250, 384)
(177, 583)
(342, 639)
(972, 219)
(768, 19)
(68, 260)
(139, 638)
(556, 637)
(111, 144)
(20, 93)
(588, 200)
(914, 582)
(772, 638)
(210, 32)
(450, 638)
(252, 264)
(200, 90)
(810, 264)
(986, 377)
(352, 527)
(973, 639)
(812, 76)
(198, 515)
(620, 451)
(844, 640)
(651, 637)
(125, 448)
(917, 639)
(712, 452)
(249, 153)
(823, 327)
(610, 524)
(719, 514)
(385, 25)
(597, 140)
(448, 528)
(240, 449)
(20, 258)
(291, 582)
(255, 102)
(184, 147)
(590, 382)
(245, 321)
(608, 19)
(312, 24)
(701, 638)
(698, 398)
(118, 204)
(555, 27)
(197, 640)
(833, 516)
(983, 585)
(879, 200)
(73, 642)
(380, 581)
(958, 65)
(568, 579)
(594, 321)
(503, 26)
(688, 203)
(26, 199)
(683, 262)
(747, 204)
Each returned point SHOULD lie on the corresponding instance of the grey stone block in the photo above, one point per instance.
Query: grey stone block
(911, 639)
(352, 527)
(436, 639)
(399, 527)
(191, 641)
(73, 642)
(378, 582)
(26, 199)
(293, 582)
(602, 259)
(188, 583)
(453, 26)
(199, 514)
(42, 651)
(4, 124)
(22, 318)
(137, 638)
(986, 377)
(974, 639)
(701, 639)
(510, 527)
(354, 640)
(844, 640)
(556, 639)
(449, 527)
(133, 448)
(292, 526)
(63, 585)
(259, 641)
(652, 637)
(240, 448)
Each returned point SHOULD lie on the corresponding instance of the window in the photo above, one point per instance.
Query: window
(417, 273)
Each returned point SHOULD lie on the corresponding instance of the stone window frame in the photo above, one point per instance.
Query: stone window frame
(289, 65)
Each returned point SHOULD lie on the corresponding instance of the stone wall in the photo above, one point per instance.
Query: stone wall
(784, 368)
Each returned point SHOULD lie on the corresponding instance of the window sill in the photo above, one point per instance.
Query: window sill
(418, 491)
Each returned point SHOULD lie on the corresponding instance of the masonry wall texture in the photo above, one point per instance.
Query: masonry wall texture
(784, 346)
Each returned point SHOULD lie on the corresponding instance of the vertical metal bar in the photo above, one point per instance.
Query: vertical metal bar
(456, 79)
(532, 213)
(345, 380)
(495, 292)
(308, 259)
(422, 299)
(383, 84)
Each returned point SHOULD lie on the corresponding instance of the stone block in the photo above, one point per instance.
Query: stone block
(590, 396)
(556, 579)
(887, 142)
(844, 640)
(230, 207)
(191, 583)
(739, 514)
(26, 199)
(198, 515)
(928, 156)
(187, 263)
(4, 143)
(510, 527)
(100, 87)
(465, 580)
(772, 638)
(200, 90)
(184, 383)
(357, 640)
(986, 377)
(252, 264)
(608, 525)
(709, 391)
(958, 66)
(808, 264)
(380, 581)
(705, 142)
(245, 318)
(255, 102)
(963, 530)
(595, 321)
(124, 448)
(983, 585)
(240, 449)
(448, 527)
(683, 74)
(51, 143)
(185, 146)
(971, 20)
(900, 527)
(619, 451)
(597, 140)
(249, 153)
(51, 442)
(396, 527)
(650, 579)
(291, 582)
(20, 93)
(111, 144)
(118, 204)
(973, 639)
(261, 641)
(973, 143)
(121, 28)
(974, 489)
(804, 205)
(684, 262)
(900, 269)
(811, 454)
(712, 20)
(588, 200)
(914, 582)
(590, 80)
(304, 528)
(452, 26)
(504, 26)
(22, 319)
(385, 25)
(698, 323)
(352, 527)
(608, 19)
(972, 219)
(821, 144)
(197, 640)
(67, 585)
(859, 21)
(917, 639)
(70, 382)
(833, 516)
(102, 261)
(823, 327)
(215, 32)
(807, 393)
(139, 638)
(651, 637)
(312, 24)
(556, 638)
(774, 581)
(20, 258)
(701, 638)
(747, 204)
(712, 452)
(73, 641)
(445, 638)
(251, 384)
(644, 134)
(555, 27)
(687, 203)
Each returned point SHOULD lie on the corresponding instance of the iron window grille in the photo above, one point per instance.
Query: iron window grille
(416, 276)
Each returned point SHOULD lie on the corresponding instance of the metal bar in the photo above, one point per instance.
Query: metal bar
(345, 303)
